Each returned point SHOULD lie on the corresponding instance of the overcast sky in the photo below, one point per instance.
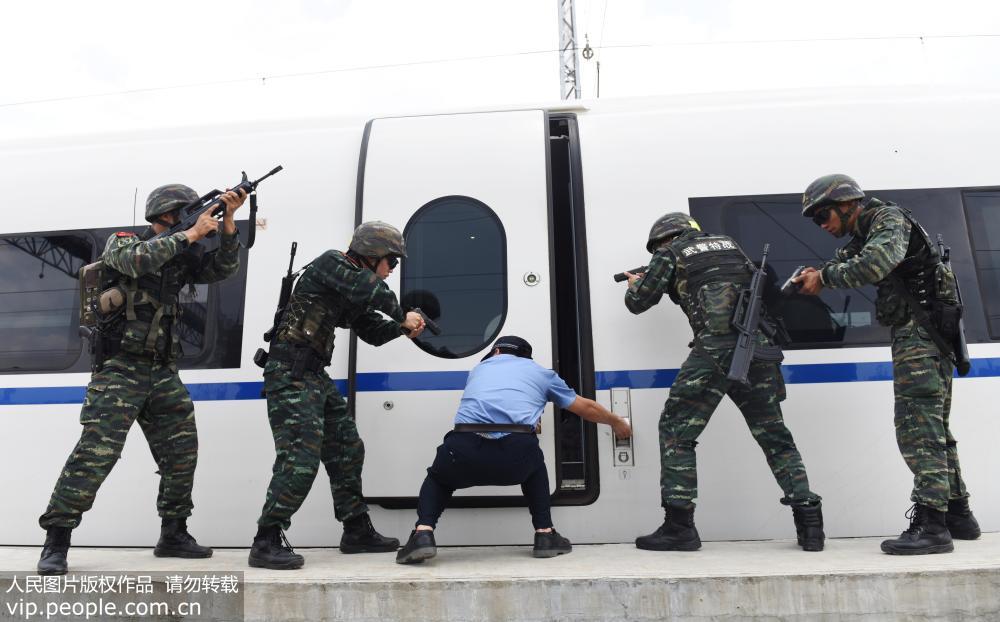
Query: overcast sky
(69, 66)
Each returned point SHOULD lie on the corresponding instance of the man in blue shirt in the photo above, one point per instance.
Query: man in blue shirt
(494, 444)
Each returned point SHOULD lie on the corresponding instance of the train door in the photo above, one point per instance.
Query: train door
(472, 194)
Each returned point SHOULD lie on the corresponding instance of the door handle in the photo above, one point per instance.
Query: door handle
(621, 405)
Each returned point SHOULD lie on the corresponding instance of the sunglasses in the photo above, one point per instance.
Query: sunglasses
(393, 261)
(822, 215)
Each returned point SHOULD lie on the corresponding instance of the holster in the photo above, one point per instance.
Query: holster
(103, 343)
(260, 357)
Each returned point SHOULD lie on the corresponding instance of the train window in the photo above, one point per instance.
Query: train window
(456, 272)
(982, 207)
(39, 306)
(846, 317)
(39, 314)
(835, 318)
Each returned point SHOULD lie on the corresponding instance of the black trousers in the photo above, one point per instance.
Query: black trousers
(466, 459)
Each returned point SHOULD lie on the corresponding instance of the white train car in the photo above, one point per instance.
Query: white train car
(515, 221)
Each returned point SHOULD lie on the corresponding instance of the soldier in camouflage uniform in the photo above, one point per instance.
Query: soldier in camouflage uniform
(137, 379)
(888, 245)
(705, 274)
(308, 416)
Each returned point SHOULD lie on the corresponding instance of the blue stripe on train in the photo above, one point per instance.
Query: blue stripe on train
(455, 381)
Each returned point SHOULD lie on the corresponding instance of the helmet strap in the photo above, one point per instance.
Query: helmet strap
(368, 263)
(844, 213)
(163, 223)
(359, 259)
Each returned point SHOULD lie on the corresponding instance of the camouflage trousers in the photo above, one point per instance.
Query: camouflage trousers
(129, 388)
(922, 387)
(310, 423)
(694, 396)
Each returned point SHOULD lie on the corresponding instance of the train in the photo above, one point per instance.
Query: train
(515, 220)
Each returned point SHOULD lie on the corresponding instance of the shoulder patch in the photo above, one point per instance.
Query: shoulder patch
(125, 234)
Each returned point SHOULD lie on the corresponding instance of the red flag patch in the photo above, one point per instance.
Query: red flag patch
(125, 234)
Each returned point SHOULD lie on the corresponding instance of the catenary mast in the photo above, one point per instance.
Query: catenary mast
(569, 77)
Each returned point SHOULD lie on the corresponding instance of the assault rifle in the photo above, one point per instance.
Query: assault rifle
(621, 275)
(212, 203)
(748, 321)
(961, 348)
(943, 322)
(287, 282)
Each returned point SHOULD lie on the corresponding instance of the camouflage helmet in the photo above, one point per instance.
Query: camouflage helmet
(669, 225)
(377, 239)
(168, 198)
(827, 190)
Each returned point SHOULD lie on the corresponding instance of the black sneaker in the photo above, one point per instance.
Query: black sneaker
(550, 544)
(271, 550)
(419, 547)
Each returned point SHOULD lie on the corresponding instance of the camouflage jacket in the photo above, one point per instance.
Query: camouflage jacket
(885, 242)
(335, 292)
(702, 273)
(152, 274)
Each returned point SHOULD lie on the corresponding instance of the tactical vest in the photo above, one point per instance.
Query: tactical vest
(921, 270)
(125, 311)
(711, 271)
(309, 321)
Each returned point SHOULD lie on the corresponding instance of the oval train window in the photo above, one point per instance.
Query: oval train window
(456, 272)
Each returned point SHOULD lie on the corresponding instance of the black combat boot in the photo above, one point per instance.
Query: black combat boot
(271, 549)
(419, 547)
(927, 534)
(960, 521)
(809, 526)
(175, 541)
(550, 544)
(677, 533)
(360, 537)
(53, 559)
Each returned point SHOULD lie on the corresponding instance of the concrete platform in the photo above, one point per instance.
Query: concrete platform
(774, 580)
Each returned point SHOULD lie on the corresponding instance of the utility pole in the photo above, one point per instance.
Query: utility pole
(569, 77)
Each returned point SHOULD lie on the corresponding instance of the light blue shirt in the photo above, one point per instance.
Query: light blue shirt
(511, 389)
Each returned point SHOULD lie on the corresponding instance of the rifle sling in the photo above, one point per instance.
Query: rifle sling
(252, 233)
(920, 314)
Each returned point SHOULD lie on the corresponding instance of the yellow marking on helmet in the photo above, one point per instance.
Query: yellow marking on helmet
(694, 225)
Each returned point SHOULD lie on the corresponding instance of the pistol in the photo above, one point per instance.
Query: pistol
(621, 275)
(790, 288)
(428, 322)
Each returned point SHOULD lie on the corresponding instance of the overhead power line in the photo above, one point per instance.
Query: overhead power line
(291, 75)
